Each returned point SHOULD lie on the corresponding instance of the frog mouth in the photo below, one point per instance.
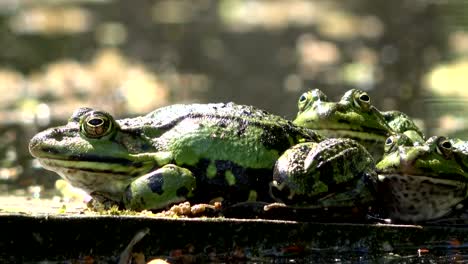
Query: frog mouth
(113, 167)
(374, 135)
(91, 176)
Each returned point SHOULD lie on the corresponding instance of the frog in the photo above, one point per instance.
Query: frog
(182, 152)
(421, 182)
(352, 185)
(401, 123)
(353, 116)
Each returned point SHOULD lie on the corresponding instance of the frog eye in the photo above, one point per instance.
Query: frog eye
(446, 144)
(389, 141)
(444, 147)
(302, 98)
(364, 98)
(96, 125)
(389, 144)
(303, 101)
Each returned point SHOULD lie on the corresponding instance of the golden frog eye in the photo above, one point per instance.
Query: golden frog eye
(97, 124)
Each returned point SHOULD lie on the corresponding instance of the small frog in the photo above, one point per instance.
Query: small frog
(423, 181)
(401, 123)
(197, 153)
(340, 173)
(353, 117)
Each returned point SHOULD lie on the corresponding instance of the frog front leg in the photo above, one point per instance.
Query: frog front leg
(167, 185)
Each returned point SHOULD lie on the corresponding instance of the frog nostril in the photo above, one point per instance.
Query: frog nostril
(59, 137)
(38, 144)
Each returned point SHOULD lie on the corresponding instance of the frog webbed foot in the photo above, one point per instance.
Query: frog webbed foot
(167, 185)
(100, 201)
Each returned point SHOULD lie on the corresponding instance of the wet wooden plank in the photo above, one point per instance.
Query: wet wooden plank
(38, 235)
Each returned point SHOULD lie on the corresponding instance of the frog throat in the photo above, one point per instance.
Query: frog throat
(409, 195)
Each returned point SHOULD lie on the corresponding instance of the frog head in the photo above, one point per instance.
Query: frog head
(351, 117)
(95, 152)
(402, 123)
(423, 181)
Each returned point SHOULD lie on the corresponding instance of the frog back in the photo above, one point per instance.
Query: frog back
(231, 149)
(250, 137)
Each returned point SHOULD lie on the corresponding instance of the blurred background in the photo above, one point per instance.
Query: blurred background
(130, 57)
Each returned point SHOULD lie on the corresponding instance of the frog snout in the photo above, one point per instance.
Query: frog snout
(38, 143)
(34, 145)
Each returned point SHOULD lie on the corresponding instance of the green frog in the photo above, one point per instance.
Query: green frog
(352, 185)
(401, 123)
(353, 116)
(423, 181)
(196, 152)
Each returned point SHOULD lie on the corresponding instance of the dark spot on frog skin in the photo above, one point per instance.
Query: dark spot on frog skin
(239, 172)
(182, 192)
(155, 183)
(247, 179)
(223, 122)
(242, 127)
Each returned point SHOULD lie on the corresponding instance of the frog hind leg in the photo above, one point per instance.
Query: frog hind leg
(165, 186)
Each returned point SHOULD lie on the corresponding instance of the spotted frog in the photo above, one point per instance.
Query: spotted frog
(196, 152)
(353, 116)
(423, 181)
